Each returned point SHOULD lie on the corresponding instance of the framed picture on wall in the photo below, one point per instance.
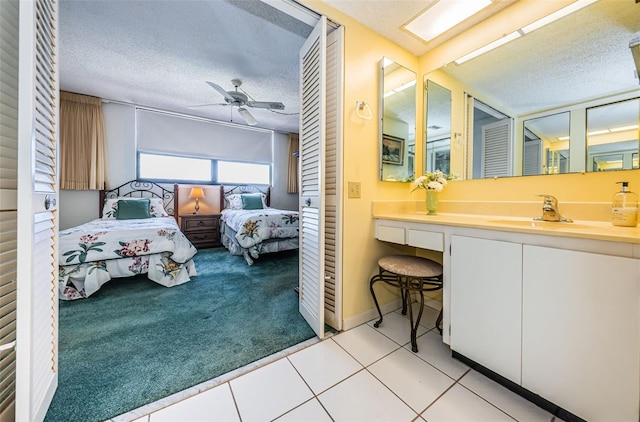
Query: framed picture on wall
(392, 150)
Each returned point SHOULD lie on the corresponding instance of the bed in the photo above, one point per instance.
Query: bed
(250, 227)
(137, 233)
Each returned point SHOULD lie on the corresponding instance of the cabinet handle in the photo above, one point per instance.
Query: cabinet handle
(200, 223)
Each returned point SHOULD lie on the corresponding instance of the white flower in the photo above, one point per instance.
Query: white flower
(431, 181)
(434, 185)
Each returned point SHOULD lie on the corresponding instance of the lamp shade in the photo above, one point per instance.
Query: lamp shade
(196, 193)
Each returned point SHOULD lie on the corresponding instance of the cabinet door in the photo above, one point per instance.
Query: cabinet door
(581, 332)
(486, 303)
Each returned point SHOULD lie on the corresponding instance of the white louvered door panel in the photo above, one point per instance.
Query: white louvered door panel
(37, 298)
(312, 143)
(333, 182)
(496, 149)
(8, 203)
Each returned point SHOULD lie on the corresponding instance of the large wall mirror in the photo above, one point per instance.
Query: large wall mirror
(398, 122)
(437, 128)
(550, 83)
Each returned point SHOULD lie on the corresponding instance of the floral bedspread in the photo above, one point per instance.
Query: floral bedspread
(255, 226)
(93, 253)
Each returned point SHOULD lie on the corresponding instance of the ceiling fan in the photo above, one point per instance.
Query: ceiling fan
(242, 100)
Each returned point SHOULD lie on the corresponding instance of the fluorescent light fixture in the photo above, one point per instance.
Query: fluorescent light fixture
(495, 44)
(558, 14)
(623, 128)
(598, 132)
(442, 16)
(563, 138)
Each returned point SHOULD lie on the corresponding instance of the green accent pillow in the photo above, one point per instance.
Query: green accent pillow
(129, 209)
(252, 201)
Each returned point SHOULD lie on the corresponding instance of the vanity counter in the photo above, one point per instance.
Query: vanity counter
(514, 287)
(594, 230)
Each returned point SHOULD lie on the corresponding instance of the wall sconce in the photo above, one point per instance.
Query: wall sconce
(363, 110)
(197, 194)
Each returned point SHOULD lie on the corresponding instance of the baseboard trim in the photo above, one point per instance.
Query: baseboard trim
(367, 316)
(550, 407)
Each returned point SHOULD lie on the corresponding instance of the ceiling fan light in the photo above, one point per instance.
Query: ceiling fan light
(251, 121)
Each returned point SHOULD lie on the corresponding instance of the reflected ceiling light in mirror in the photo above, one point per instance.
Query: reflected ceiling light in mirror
(443, 15)
(612, 130)
(399, 89)
(495, 44)
(573, 7)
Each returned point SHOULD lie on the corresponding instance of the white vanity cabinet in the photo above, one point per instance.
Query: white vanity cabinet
(580, 331)
(559, 316)
(486, 292)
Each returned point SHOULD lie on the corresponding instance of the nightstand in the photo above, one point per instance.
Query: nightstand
(203, 230)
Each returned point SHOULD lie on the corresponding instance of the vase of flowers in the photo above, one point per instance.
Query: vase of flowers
(432, 183)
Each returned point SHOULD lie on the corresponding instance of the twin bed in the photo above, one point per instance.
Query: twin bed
(249, 227)
(138, 233)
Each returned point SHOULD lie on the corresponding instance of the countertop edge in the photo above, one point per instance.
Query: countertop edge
(597, 230)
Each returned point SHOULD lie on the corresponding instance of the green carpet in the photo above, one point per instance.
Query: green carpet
(134, 341)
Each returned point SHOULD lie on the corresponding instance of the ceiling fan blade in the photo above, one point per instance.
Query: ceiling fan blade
(222, 92)
(266, 104)
(207, 105)
(251, 121)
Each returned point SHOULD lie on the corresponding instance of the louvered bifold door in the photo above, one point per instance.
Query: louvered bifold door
(8, 203)
(532, 158)
(496, 149)
(312, 144)
(333, 182)
(37, 319)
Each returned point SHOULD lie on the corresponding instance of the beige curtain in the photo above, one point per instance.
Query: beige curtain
(83, 149)
(292, 175)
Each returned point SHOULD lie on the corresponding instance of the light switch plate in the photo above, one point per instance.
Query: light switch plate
(354, 189)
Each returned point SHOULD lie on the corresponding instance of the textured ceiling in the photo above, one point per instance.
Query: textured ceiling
(161, 53)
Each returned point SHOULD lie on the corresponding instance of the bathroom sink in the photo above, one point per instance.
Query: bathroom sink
(547, 225)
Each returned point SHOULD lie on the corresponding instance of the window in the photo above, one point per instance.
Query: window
(173, 168)
(241, 173)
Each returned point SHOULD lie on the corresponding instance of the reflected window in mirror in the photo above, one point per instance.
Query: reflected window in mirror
(490, 137)
(546, 145)
(612, 136)
(398, 122)
(438, 128)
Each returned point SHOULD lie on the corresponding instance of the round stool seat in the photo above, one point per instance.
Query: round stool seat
(410, 266)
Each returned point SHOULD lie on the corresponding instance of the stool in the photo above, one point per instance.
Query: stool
(410, 274)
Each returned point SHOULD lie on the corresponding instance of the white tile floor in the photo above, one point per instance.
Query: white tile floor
(364, 374)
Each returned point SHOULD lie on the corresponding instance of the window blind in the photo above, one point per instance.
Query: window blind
(180, 135)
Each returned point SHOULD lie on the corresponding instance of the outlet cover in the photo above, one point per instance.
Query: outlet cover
(354, 189)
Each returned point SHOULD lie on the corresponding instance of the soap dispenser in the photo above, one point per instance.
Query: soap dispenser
(625, 207)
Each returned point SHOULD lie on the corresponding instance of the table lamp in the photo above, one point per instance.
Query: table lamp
(197, 194)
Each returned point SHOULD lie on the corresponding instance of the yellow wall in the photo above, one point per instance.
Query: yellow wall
(363, 50)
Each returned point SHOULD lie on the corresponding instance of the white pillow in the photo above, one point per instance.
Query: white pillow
(234, 201)
(156, 208)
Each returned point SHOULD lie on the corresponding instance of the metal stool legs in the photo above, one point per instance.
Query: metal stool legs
(406, 285)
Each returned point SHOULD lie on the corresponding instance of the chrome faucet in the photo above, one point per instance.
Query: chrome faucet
(550, 211)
